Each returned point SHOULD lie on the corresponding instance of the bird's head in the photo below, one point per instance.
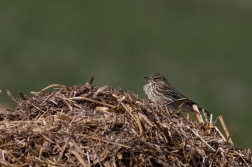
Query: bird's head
(156, 78)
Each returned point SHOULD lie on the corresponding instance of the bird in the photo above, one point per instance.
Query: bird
(160, 91)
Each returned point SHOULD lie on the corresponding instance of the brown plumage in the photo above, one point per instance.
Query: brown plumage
(160, 91)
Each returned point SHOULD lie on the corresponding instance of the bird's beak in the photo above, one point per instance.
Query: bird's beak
(147, 78)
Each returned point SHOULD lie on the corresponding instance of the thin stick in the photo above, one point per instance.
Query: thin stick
(111, 142)
(94, 101)
(47, 98)
(37, 108)
(11, 155)
(48, 139)
(142, 116)
(241, 155)
(12, 98)
(79, 157)
(124, 106)
(197, 113)
(202, 139)
(91, 81)
(211, 119)
(219, 133)
(23, 96)
(62, 151)
(100, 90)
(139, 124)
(225, 130)
(50, 86)
(135, 117)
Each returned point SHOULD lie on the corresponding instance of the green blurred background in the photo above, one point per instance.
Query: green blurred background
(204, 48)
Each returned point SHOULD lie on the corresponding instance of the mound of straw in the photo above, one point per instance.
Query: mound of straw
(100, 126)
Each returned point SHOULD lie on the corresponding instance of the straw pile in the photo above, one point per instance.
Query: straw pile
(100, 126)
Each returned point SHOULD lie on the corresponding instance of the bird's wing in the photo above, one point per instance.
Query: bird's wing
(173, 93)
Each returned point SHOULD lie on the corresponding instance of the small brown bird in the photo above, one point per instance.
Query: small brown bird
(160, 91)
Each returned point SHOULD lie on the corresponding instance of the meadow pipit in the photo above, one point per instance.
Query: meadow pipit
(160, 91)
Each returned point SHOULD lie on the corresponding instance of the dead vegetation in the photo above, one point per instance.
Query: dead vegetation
(100, 126)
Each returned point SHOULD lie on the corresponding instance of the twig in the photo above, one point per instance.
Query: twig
(47, 98)
(225, 130)
(91, 81)
(139, 124)
(94, 101)
(37, 108)
(12, 98)
(100, 90)
(63, 150)
(23, 96)
(48, 139)
(202, 139)
(125, 107)
(107, 141)
(53, 85)
(241, 155)
(220, 133)
(79, 157)
(197, 114)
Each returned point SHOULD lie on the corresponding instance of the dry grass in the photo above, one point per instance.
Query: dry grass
(91, 126)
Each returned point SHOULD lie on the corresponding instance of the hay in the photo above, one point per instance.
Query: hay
(91, 126)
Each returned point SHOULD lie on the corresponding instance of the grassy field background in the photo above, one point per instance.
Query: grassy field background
(204, 48)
